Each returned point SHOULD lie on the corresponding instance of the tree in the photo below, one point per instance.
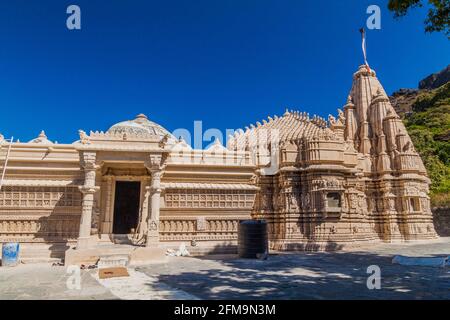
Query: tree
(438, 18)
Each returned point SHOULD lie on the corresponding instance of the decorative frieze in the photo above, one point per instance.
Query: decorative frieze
(204, 228)
(40, 228)
(209, 199)
(39, 197)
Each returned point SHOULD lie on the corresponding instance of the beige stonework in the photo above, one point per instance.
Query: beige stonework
(350, 179)
(321, 184)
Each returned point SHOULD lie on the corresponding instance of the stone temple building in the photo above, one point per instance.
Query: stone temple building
(320, 184)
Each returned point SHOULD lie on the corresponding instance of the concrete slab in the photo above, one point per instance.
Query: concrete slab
(137, 256)
(147, 255)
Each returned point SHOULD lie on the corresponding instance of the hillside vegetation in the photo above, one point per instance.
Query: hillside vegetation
(428, 124)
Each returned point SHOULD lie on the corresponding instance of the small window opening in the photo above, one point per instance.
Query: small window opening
(414, 204)
(334, 200)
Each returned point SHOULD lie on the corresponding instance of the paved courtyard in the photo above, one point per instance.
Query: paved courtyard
(341, 275)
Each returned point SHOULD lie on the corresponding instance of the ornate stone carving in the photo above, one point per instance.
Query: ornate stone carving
(164, 141)
(331, 120)
(39, 197)
(306, 201)
(156, 162)
(153, 226)
(207, 199)
(328, 183)
(39, 228)
(341, 117)
(84, 138)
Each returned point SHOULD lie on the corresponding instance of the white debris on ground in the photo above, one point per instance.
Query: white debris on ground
(422, 261)
(139, 286)
(262, 256)
(181, 252)
(113, 261)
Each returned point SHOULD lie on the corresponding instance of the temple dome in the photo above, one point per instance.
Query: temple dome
(139, 126)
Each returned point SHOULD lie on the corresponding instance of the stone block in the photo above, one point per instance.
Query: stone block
(147, 255)
(81, 256)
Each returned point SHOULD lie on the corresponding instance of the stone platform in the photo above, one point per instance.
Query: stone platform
(318, 275)
(136, 255)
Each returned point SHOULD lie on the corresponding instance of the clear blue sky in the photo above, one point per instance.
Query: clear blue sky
(227, 63)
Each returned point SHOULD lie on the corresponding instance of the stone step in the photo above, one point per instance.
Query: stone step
(122, 239)
(115, 255)
(42, 252)
(113, 260)
(31, 260)
(116, 239)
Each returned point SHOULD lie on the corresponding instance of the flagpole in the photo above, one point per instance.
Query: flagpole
(364, 49)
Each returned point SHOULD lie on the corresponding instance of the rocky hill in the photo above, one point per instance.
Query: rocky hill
(426, 114)
(403, 100)
(436, 80)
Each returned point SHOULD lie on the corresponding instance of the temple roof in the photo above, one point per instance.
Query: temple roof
(216, 147)
(141, 125)
(41, 139)
(292, 125)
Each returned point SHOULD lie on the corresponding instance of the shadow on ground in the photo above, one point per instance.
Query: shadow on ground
(302, 276)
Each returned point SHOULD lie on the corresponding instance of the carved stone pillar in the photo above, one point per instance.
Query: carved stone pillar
(88, 190)
(155, 164)
(153, 215)
(86, 217)
(106, 226)
(351, 125)
(391, 218)
(146, 189)
(365, 146)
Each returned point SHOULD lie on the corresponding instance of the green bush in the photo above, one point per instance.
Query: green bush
(429, 128)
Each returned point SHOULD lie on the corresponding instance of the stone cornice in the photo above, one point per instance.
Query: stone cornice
(118, 147)
(208, 186)
(60, 148)
(88, 189)
(40, 183)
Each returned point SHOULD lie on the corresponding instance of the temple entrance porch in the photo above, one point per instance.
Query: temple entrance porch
(121, 201)
(122, 205)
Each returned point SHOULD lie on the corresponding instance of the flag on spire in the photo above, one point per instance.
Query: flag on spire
(363, 36)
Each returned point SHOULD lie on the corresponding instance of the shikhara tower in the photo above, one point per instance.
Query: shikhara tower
(351, 179)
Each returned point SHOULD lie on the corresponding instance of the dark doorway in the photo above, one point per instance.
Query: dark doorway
(126, 207)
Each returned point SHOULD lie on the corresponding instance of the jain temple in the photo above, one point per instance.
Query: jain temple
(320, 184)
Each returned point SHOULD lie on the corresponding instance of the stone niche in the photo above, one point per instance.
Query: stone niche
(324, 151)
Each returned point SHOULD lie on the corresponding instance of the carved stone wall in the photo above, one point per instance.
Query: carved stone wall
(39, 228)
(204, 214)
(39, 214)
(209, 199)
(39, 197)
(199, 229)
(354, 178)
